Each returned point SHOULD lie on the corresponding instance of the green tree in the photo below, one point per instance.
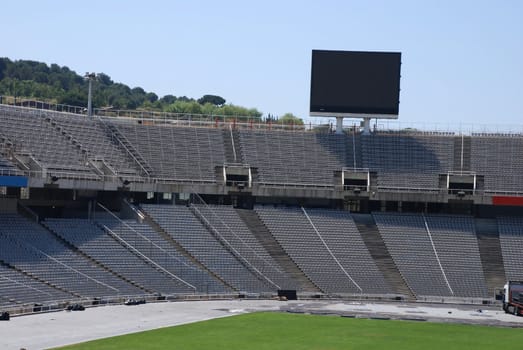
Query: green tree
(4, 62)
(151, 97)
(209, 109)
(289, 118)
(180, 106)
(168, 99)
(73, 98)
(212, 99)
(104, 79)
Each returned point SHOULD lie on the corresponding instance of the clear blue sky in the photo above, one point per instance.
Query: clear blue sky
(462, 60)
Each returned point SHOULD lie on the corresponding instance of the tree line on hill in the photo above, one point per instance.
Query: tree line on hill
(58, 84)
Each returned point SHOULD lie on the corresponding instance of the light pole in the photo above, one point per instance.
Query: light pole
(90, 77)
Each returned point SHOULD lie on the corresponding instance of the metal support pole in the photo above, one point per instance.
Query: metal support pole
(366, 126)
(90, 77)
(90, 99)
(339, 125)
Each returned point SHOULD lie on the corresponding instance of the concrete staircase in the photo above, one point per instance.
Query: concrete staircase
(232, 147)
(490, 253)
(262, 234)
(462, 144)
(132, 153)
(379, 252)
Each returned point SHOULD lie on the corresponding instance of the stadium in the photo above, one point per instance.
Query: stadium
(143, 207)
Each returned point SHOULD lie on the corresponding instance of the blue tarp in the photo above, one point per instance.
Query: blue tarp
(13, 181)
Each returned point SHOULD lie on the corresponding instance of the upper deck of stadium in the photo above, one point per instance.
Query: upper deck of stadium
(72, 151)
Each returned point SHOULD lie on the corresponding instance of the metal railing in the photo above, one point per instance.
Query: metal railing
(58, 175)
(60, 304)
(158, 117)
(239, 121)
(31, 103)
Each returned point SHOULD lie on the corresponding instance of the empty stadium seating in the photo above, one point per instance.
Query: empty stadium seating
(19, 288)
(181, 224)
(457, 246)
(7, 168)
(410, 247)
(149, 243)
(104, 248)
(71, 146)
(338, 230)
(437, 256)
(498, 158)
(177, 153)
(334, 257)
(511, 239)
(195, 248)
(233, 232)
(286, 157)
(31, 249)
(407, 161)
(98, 142)
(33, 136)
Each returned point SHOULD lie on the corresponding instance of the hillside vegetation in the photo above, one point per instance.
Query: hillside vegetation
(59, 84)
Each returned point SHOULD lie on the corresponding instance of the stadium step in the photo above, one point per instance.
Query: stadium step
(353, 150)
(219, 238)
(490, 253)
(262, 234)
(379, 252)
(462, 153)
(232, 146)
(132, 152)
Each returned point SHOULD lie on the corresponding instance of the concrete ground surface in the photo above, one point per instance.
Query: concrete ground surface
(47, 330)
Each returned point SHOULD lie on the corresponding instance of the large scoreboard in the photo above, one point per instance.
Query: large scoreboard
(355, 84)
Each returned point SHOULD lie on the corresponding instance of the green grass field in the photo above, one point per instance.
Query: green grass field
(269, 331)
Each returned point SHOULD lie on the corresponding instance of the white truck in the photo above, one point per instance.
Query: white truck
(513, 297)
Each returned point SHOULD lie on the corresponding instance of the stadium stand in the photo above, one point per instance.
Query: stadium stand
(41, 143)
(185, 247)
(340, 233)
(149, 243)
(181, 224)
(511, 239)
(30, 248)
(19, 288)
(322, 251)
(100, 144)
(410, 247)
(498, 158)
(490, 253)
(234, 233)
(457, 246)
(115, 255)
(287, 157)
(407, 161)
(7, 168)
(177, 153)
(438, 256)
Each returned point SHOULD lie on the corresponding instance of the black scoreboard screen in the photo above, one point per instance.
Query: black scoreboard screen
(355, 83)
